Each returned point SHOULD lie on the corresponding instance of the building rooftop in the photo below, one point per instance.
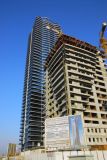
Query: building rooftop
(72, 41)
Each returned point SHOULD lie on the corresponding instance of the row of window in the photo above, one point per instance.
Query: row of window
(96, 130)
(97, 140)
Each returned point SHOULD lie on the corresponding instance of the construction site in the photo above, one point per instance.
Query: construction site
(75, 103)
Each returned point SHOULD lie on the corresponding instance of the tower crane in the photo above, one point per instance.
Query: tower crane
(103, 40)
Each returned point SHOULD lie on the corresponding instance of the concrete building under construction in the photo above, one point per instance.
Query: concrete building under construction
(76, 83)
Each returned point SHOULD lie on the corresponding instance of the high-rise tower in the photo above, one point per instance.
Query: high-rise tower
(76, 84)
(41, 40)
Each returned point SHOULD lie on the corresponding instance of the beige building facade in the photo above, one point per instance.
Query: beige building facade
(76, 83)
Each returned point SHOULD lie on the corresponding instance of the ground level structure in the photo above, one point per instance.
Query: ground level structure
(59, 155)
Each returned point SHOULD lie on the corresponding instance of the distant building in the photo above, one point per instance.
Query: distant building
(76, 83)
(42, 38)
(11, 150)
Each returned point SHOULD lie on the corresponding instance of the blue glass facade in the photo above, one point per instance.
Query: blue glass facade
(41, 40)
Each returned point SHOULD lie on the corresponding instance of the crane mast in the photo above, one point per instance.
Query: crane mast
(103, 40)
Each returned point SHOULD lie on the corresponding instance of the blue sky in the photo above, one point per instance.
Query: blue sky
(79, 18)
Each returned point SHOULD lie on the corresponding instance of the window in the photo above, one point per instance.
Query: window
(97, 139)
(95, 122)
(101, 139)
(104, 122)
(73, 112)
(93, 139)
(104, 130)
(89, 139)
(88, 130)
(87, 121)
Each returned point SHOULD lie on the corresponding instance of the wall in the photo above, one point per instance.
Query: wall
(37, 155)
(41, 155)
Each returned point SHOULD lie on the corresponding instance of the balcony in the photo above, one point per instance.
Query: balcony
(78, 101)
(92, 104)
(87, 64)
(80, 93)
(96, 79)
(56, 69)
(79, 55)
(51, 68)
(80, 73)
(87, 70)
(55, 59)
(81, 51)
(101, 92)
(58, 79)
(100, 86)
(61, 82)
(77, 107)
(102, 98)
(61, 90)
(62, 103)
(99, 75)
(57, 74)
(62, 96)
(80, 86)
(91, 119)
(80, 79)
